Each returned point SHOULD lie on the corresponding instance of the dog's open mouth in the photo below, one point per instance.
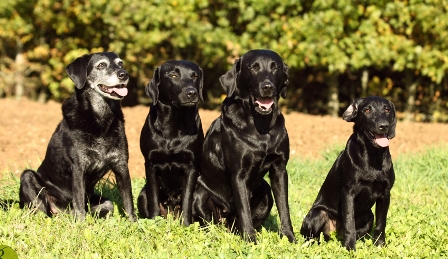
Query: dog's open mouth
(264, 105)
(379, 139)
(116, 90)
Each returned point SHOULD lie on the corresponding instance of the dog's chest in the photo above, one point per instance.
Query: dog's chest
(101, 151)
(172, 150)
(374, 183)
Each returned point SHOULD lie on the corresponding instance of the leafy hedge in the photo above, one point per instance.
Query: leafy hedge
(336, 50)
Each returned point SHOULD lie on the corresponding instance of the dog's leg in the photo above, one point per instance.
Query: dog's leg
(261, 204)
(382, 206)
(100, 206)
(348, 219)
(142, 203)
(123, 178)
(316, 221)
(364, 224)
(242, 201)
(31, 193)
(79, 193)
(279, 181)
(188, 184)
(150, 196)
(201, 209)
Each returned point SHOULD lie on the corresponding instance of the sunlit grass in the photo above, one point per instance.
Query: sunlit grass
(417, 222)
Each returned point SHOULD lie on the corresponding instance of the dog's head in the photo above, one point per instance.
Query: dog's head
(375, 116)
(103, 72)
(259, 75)
(176, 82)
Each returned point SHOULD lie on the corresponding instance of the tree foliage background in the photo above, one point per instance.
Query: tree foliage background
(337, 50)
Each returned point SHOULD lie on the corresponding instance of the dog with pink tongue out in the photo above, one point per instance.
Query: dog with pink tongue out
(361, 176)
(246, 142)
(89, 142)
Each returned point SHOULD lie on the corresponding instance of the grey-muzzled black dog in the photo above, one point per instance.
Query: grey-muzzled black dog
(361, 176)
(88, 142)
(247, 141)
(171, 140)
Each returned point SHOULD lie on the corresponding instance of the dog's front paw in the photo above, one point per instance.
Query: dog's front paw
(250, 237)
(80, 215)
(350, 243)
(132, 217)
(379, 239)
(290, 236)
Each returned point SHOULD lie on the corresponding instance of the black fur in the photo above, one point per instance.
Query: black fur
(247, 141)
(361, 176)
(171, 140)
(88, 142)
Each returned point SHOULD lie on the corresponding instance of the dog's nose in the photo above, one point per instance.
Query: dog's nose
(123, 74)
(191, 93)
(383, 126)
(266, 87)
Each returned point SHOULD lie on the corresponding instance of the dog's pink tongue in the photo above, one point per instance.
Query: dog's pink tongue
(266, 103)
(120, 91)
(381, 140)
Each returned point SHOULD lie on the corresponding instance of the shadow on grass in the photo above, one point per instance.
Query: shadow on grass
(9, 190)
(107, 188)
(7, 204)
(271, 224)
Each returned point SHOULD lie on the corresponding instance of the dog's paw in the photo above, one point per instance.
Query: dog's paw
(290, 236)
(379, 240)
(186, 222)
(80, 215)
(350, 244)
(250, 238)
(379, 237)
(132, 217)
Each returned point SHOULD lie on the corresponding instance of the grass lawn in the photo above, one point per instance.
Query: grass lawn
(417, 222)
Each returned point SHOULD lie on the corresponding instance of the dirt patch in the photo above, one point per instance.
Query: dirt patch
(26, 128)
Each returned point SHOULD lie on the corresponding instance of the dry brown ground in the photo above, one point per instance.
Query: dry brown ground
(26, 127)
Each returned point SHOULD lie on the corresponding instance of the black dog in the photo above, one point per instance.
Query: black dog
(171, 140)
(89, 141)
(248, 140)
(362, 175)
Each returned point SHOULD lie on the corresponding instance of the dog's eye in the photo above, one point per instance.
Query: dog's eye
(120, 64)
(173, 76)
(274, 66)
(367, 111)
(255, 67)
(387, 110)
(101, 65)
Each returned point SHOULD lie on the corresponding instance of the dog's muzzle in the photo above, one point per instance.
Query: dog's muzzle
(189, 96)
(116, 90)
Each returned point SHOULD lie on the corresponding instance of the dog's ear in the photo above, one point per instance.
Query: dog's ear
(229, 79)
(77, 70)
(351, 112)
(152, 88)
(285, 82)
(392, 121)
(201, 84)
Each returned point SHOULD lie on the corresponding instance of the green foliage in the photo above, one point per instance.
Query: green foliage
(416, 222)
(315, 38)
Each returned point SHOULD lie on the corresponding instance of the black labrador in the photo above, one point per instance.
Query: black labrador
(171, 140)
(247, 141)
(88, 142)
(361, 176)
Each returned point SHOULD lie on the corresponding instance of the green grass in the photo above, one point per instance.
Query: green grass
(417, 222)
